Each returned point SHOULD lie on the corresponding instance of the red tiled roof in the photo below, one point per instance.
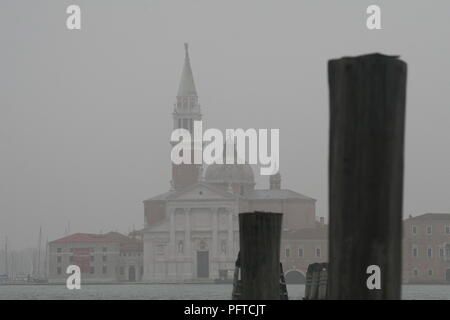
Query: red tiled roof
(118, 237)
(432, 216)
(91, 237)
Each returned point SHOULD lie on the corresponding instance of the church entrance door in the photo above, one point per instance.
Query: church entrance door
(131, 274)
(203, 264)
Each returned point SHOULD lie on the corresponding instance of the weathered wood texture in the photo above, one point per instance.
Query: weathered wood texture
(316, 282)
(283, 286)
(237, 282)
(367, 124)
(260, 239)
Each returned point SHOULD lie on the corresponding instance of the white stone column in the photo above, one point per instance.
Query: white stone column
(187, 245)
(214, 258)
(214, 229)
(172, 244)
(148, 259)
(171, 263)
(230, 234)
(187, 233)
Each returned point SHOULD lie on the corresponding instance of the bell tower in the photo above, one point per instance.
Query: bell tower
(186, 111)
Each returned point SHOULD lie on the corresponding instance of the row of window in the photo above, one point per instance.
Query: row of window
(91, 270)
(186, 102)
(59, 258)
(430, 252)
(122, 270)
(180, 247)
(59, 250)
(416, 272)
(129, 254)
(300, 252)
(123, 254)
(429, 230)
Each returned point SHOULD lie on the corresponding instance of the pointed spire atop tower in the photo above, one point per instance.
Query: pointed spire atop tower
(187, 85)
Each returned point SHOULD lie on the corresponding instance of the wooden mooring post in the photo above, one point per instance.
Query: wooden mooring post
(367, 122)
(259, 240)
(316, 282)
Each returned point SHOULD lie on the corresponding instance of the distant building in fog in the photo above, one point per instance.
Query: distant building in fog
(191, 231)
(426, 248)
(300, 248)
(102, 258)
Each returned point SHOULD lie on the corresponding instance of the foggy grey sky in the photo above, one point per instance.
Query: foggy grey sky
(85, 116)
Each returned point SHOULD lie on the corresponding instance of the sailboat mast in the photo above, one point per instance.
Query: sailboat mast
(6, 255)
(39, 253)
(13, 267)
(46, 259)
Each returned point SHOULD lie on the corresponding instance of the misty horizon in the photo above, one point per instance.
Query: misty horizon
(86, 116)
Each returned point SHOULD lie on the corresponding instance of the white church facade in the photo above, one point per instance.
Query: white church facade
(198, 239)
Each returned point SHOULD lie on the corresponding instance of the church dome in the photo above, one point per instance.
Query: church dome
(229, 173)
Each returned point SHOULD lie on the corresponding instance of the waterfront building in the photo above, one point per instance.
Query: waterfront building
(426, 249)
(302, 247)
(102, 258)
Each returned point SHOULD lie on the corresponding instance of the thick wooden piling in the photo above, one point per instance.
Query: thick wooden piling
(260, 239)
(367, 122)
(316, 282)
(323, 284)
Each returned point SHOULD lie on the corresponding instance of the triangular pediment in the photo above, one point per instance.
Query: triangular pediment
(202, 191)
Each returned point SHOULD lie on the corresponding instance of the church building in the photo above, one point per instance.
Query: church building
(191, 231)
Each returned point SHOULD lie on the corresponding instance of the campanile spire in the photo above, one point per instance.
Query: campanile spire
(187, 85)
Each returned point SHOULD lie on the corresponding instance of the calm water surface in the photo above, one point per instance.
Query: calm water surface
(178, 291)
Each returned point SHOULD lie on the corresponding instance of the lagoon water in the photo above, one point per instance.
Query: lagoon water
(177, 292)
